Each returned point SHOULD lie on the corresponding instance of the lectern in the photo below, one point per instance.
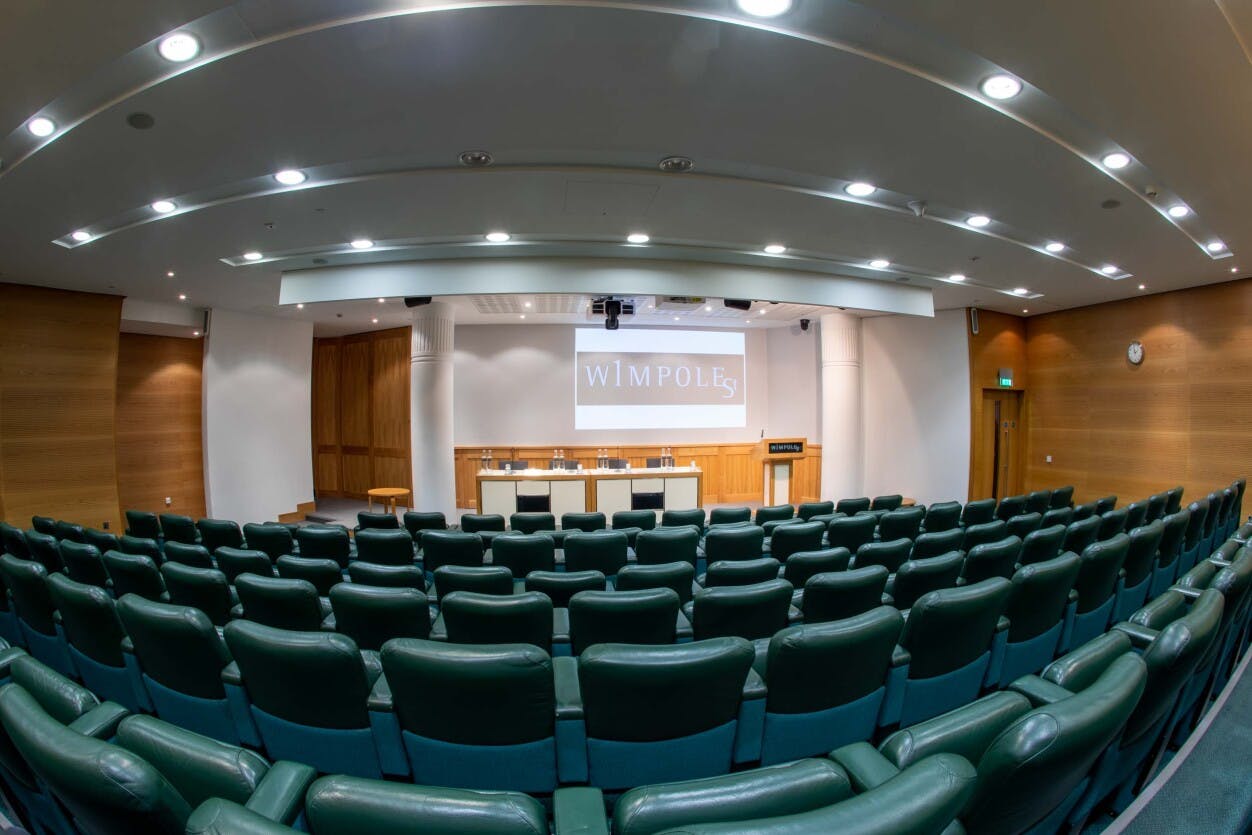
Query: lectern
(776, 455)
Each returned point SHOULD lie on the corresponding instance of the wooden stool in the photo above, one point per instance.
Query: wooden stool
(389, 495)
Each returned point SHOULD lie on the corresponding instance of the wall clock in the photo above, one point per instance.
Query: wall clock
(1134, 352)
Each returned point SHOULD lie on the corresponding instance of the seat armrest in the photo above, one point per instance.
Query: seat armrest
(900, 657)
(866, 767)
(328, 623)
(380, 696)
(373, 664)
(1141, 637)
(217, 816)
(1073, 595)
(754, 686)
(7, 657)
(1040, 691)
(579, 811)
(439, 629)
(280, 794)
(569, 697)
(1189, 593)
(128, 645)
(101, 721)
(1002, 625)
(888, 600)
(231, 674)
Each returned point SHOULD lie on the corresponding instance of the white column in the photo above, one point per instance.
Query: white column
(842, 444)
(430, 409)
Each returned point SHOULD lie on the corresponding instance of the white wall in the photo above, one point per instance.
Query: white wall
(257, 406)
(794, 385)
(916, 406)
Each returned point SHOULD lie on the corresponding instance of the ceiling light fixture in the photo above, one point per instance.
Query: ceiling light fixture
(252, 255)
(880, 263)
(762, 312)
(956, 277)
(676, 319)
(1001, 87)
(498, 237)
(977, 221)
(163, 207)
(41, 126)
(637, 238)
(291, 176)
(1234, 269)
(775, 249)
(1020, 291)
(362, 243)
(381, 300)
(526, 304)
(1179, 211)
(708, 308)
(182, 297)
(1054, 247)
(1109, 269)
(764, 8)
(195, 333)
(81, 235)
(1025, 310)
(523, 316)
(300, 306)
(179, 47)
(860, 189)
(1115, 160)
(1143, 286)
(374, 320)
(1215, 246)
(169, 274)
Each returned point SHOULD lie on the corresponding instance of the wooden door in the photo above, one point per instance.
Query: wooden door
(1002, 438)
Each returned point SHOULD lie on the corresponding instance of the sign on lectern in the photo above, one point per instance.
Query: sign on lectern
(776, 455)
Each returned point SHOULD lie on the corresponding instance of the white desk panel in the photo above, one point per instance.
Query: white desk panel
(499, 497)
(682, 493)
(612, 495)
(568, 497)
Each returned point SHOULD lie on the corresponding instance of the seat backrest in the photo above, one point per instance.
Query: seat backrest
(216, 533)
(843, 594)
(984, 532)
(102, 540)
(204, 588)
(1199, 511)
(1057, 516)
(473, 618)
(992, 559)
(139, 545)
(773, 513)
(593, 521)
(373, 615)
(667, 544)
(64, 531)
(890, 554)
(729, 515)
(851, 507)
(1105, 504)
(807, 510)
(394, 546)
(1040, 595)
(1214, 514)
(699, 685)
(389, 576)
(196, 556)
(933, 544)
(951, 628)
(856, 650)
(280, 668)
(31, 600)
(1062, 497)
(44, 524)
(917, 577)
(888, 502)
(532, 522)
(177, 646)
(677, 576)
(89, 619)
(1043, 544)
(1145, 540)
(1136, 515)
(1097, 579)
(447, 548)
(325, 542)
(1111, 524)
(178, 528)
(795, 537)
(1039, 501)
(482, 579)
(734, 543)
(1080, 534)
(646, 616)
(978, 512)
(104, 787)
(942, 516)
(805, 564)
(44, 549)
(278, 602)
(452, 692)
(83, 563)
(1010, 506)
(751, 612)
(134, 574)
(906, 522)
(13, 542)
(1175, 527)
(324, 574)
(142, 524)
(603, 551)
(416, 521)
(1173, 499)
(690, 516)
(367, 520)
(523, 553)
(1025, 523)
(475, 522)
(740, 572)
(272, 539)
(236, 561)
(560, 586)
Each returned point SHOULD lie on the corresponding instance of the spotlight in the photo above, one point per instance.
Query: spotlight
(252, 256)
(498, 237)
(179, 47)
(737, 304)
(1054, 247)
(82, 236)
(956, 277)
(291, 177)
(1115, 160)
(1109, 269)
(1001, 87)
(41, 126)
(977, 221)
(163, 207)
(880, 263)
(362, 243)
(764, 8)
(637, 238)
(1020, 291)
(775, 249)
(860, 189)
(1179, 211)
(1215, 246)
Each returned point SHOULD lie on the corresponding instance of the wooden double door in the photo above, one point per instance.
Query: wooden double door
(1002, 439)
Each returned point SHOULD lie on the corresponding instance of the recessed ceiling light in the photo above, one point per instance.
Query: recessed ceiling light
(707, 308)
(1116, 160)
(169, 274)
(977, 221)
(676, 319)
(162, 207)
(1001, 87)
(1179, 211)
(252, 256)
(523, 316)
(300, 306)
(1143, 286)
(291, 176)
(764, 8)
(1215, 246)
(81, 235)
(381, 300)
(956, 277)
(182, 297)
(1234, 269)
(880, 263)
(1109, 269)
(179, 47)
(1020, 291)
(775, 249)
(1025, 310)
(498, 237)
(526, 304)
(195, 333)
(637, 238)
(1054, 246)
(362, 243)
(860, 189)
(761, 312)
(41, 126)
(374, 320)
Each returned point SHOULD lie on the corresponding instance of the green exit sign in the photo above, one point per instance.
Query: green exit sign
(1006, 378)
(1006, 381)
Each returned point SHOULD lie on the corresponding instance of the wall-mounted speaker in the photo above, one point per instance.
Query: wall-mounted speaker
(973, 320)
(416, 301)
(738, 304)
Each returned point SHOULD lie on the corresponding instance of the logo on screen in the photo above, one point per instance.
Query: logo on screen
(615, 379)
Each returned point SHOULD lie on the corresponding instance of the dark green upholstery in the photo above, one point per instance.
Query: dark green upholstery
(729, 515)
(180, 529)
(807, 510)
(966, 731)
(933, 544)
(102, 540)
(851, 507)
(272, 539)
(140, 546)
(805, 564)
(367, 521)
(280, 603)
(480, 522)
(773, 513)
(216, 533)
(324, 574)
(532, 522)
(1084, 511)
(1141, 554)
(177, 646)
(678, 518)
(472, 618)
(141, 524)
(560, 586)
(585, 521)
(1136, 515)
(1097, 579)
(89, 619)
(1040, 595)
(373, 615)
(196, 556)
(666, 545)
(917, 577)
(44, 525)
(236, 561)
(1080, 668)
(1080, 534)
(740, 572)
(391, 576)
(851, 532)
(134, 574)
(1010, 506)
(644, 520)
(1062, 497)
(795, 537)
(903, 523)
(978, 512)
(751, 612)
(677, 576)
(983, 533)
(1041, 545)
(44, 549)
(394, 546)
(68, 531)
(646, 616)
(12, 541)
(325, 542)
(746, 542)
(1057, 516)
(843, 594)
(1024, 524)
(482, 579)
(889, 502)
(416, 521)
(448, 548)
(204, 588)
(890, 555)
(1039, 501)
(992, 559)
(603, 551)
(524, 553)
(1111, 524)
(942, 516)
(948, 629)
(84, 563)
(25, 580)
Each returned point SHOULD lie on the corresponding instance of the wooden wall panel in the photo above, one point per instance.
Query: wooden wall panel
(389, 391)
(58, 395)
(159, 447)
(354, 392)
(1182, 417)
(999, 343)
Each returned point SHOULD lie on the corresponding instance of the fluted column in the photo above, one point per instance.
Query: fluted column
(842, 441)
(430, 409)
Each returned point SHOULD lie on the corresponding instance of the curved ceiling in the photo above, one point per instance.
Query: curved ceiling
(577, 102)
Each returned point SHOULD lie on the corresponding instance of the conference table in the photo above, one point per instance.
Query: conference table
(577, 491)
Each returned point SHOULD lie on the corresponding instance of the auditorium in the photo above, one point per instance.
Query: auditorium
(625, 417)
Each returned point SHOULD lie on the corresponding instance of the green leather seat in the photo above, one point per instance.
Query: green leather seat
(178, 528)
(1057, 516)
(524, 553)
(1169, 552)
(755, 611)
(1009, 507)
(274, 674)
(447, 718)
(368, 521)
(204, 588)
(903, 523)
(983, 533)
(851, 532)
(746, 542)
(1024, 524)
(1195, 543)
(481, 579)
(373, 615)
(992, 559)
(134, 574)
(218, 533)
(139, 546)
(1062, 497)
(532, 522)
(485, 525)
(1039, 501)
(280, 603)
(810, 715)
(94, 634)
(955, 638)
(942, 516)
(794, 537)
(326, 542)
(773, 513)
(657, 713)
(729, 515)
(805, 564)
(196, 556)
(83, 563)
(1111, 524)
(1080, 534)
(836, 595)
(416, 521)
(739, 572)
(179, 657)
(1137, 568)
(678, 518)
(449, 548)
(44, 524)
(102, 540)
(645, 616)
(978, 512)
(1041, 611)
(472, 618)
(918, 577)
(631, 522)
(1084, 511)
(68, 531)
(391, 576)
(35, 611)
(807, 510)
(324, 574)
(593, 521)
(1041, 545)
(889, 554)
(272, 539)
(669, 544)
(44, 549)
(1136, 515)
(560, 586)
(933, 544)
(234, 562)
(603, 551)
(142, 524)
(678, 576)
(394, 546)
(1097, 585)
(892, 501)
